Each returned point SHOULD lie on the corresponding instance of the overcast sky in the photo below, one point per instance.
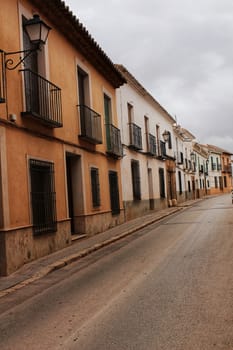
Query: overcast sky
(181, 51)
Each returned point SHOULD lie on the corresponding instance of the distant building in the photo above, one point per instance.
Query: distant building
(148, 163)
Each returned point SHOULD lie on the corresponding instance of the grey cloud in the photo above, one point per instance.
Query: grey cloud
(181, 51)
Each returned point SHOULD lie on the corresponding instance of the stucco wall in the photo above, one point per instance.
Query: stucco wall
(22, 246)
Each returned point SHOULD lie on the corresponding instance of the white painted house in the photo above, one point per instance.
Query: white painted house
(185, 164)
(148, 163)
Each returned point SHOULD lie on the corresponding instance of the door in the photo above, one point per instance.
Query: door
(31, 76)
(151, 192)
(70, 191)
(74, 192)
(114, 192)
(108, 120)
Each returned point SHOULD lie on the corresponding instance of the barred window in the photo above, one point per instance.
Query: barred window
(136, 181)
(95, 187)
(43, 196)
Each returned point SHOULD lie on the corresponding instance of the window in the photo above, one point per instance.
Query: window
(43, 196)
(136, 182)
(108, 119)
(146, 122)
(130, 113)
(114, 192)
(181, 157)
(169, 140)
(161, 183)
(95, 187)
(83, 87)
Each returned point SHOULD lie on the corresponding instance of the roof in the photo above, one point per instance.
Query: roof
(185, 134)
(136, 85)
(201, 149)
(68, 24)
(216, 149)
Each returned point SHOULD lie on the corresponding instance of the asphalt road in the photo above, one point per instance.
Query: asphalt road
(166, 287)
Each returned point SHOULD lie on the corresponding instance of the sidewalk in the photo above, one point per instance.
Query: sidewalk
(78, 249)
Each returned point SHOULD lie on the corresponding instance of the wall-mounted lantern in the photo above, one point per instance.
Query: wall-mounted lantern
(38, 32)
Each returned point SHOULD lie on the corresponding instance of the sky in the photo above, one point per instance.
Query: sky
(181, 51)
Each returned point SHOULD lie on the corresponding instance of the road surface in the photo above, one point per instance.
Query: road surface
(166, 287)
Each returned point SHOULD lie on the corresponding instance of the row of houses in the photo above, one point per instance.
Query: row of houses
(83, 145)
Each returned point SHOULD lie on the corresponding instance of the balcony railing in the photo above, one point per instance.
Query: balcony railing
(43, 100)
(113, 139)
(2, 77)
(227, 169)
(151, 144)
(163, 152)
(135, 134)
(213, 166)
(90, 122)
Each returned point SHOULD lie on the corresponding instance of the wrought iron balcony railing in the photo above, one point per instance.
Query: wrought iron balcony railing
(43, 100)
(90, 123)
(135, 135)
(213, 166)
(151, 144)
(227, 169)
(113, 139)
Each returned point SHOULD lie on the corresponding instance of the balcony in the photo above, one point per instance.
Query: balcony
(42, 100)
(90, 122)
(213, 166)
(227, 169)
(113, 139)
(151, 144)
(135, 135)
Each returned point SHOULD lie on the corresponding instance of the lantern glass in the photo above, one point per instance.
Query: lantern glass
(37, 30)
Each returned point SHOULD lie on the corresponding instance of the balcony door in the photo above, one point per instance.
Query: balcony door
(84, 101)
(108, 119)
(31, 81)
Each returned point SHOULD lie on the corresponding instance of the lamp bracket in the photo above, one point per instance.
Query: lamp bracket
(9, 63)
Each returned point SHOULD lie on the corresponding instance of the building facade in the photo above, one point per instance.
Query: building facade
(220, 170)
(148, 163)
(60, 145)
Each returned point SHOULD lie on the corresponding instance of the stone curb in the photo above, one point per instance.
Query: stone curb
(75, 257)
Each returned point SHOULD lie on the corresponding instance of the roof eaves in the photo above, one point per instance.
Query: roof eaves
(131, 80)
(66, 22)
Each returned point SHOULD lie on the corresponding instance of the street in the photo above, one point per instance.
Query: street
(168, 286)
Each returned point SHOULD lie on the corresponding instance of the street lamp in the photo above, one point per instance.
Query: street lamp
(38, 32)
